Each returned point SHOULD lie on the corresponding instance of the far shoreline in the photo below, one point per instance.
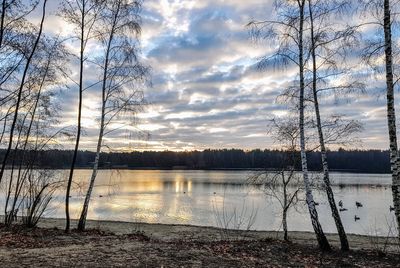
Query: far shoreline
(204, 169)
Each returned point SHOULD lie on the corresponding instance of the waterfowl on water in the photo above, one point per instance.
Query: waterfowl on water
(358, 204)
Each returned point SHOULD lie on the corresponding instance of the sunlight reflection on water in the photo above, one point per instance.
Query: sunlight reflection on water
(202, 198)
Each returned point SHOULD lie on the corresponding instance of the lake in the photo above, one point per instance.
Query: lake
(223, 198)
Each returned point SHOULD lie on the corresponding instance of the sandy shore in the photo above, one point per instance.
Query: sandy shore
(170, 232)
(123, 244)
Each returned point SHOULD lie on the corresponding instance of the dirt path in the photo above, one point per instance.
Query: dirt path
(119, 245)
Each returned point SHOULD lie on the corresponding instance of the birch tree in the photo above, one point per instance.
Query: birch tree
(327, 39)
(289, 30)
(391, 114)
(284, 185)
(83, 15)
(380, 54)
(322, 241)
(329, 42)
(122, 75)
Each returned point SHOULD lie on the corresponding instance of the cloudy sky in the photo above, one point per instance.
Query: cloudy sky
(206, 92)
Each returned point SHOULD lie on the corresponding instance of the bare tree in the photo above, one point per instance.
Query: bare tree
(15, 30)
(38, 193)
(83, 15)
(284, 185)
(289, 30)
(380, 54)
(13, 15)
(39, 107)
(21, 87)
(327, 41)
(122, 76)
(391, 114)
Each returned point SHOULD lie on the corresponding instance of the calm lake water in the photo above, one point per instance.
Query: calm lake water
(218, 198)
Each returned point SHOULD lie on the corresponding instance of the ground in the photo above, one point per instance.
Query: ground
(118, 244)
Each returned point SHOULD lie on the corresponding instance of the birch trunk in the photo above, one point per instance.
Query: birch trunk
(321, 238)
(285, 207)
(82, 219)
(391, 115)
(284, 224)
(331, 198)
(78, 134)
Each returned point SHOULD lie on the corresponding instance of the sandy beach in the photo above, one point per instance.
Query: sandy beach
(123, 244)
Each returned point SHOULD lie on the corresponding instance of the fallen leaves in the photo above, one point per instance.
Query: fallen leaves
(119, 250)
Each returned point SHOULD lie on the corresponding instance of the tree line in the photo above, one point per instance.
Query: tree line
(360, 161)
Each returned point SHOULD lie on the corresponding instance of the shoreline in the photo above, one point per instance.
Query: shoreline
(170, 232)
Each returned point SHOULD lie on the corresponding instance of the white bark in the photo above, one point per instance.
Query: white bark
(82, 220)
(391, 115)
(331, 198)
(322, 241)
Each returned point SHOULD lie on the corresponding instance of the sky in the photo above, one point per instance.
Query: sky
(206, 91)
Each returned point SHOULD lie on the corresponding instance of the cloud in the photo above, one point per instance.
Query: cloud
(207, 90)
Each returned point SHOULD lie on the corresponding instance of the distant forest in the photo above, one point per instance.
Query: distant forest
(367, 161)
